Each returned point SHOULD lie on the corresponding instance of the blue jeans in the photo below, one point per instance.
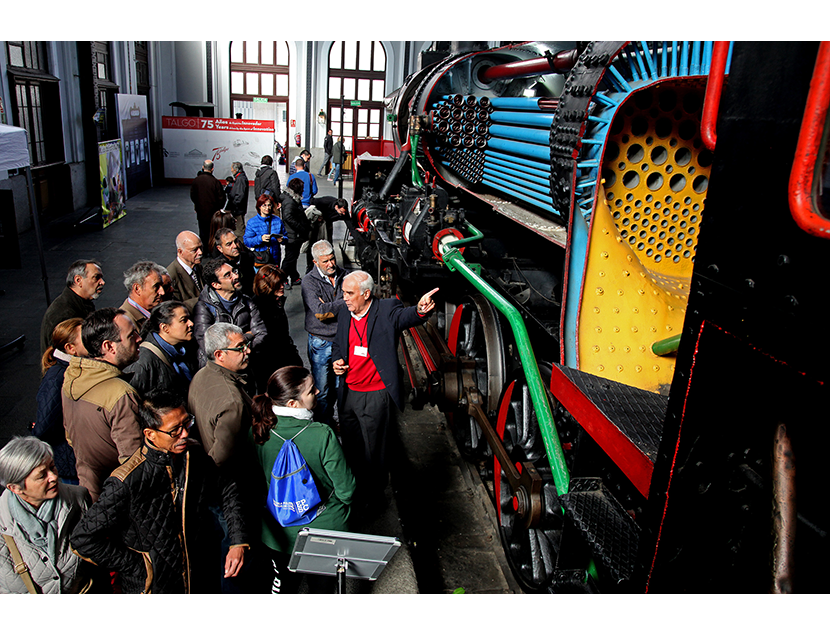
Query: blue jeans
(336, 171)
(319, 356)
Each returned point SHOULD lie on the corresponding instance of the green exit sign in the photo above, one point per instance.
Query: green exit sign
(259, 100)
(354, 103)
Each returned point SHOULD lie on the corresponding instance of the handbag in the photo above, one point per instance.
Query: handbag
(264, 257)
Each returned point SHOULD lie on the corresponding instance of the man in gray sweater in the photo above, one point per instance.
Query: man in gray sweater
(322, 298)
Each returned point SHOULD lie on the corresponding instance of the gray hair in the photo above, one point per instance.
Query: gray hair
(20, 456)
(185, 236)
(236, 165)
(321, 248)
(218, 336)
(138, 273)
(207, 165)
(78, 268)
(365, 283)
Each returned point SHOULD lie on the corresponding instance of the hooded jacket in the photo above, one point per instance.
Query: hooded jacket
(266, 178)
(100, 414)
(153, 522)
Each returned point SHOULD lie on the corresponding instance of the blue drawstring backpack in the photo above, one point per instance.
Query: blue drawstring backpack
(293, 498)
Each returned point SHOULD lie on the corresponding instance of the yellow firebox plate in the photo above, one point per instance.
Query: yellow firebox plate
(644, 235)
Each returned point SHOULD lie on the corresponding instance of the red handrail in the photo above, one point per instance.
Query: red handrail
(714, 87)
(802, 177)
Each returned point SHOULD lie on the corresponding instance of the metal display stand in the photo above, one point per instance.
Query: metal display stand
(342, 554)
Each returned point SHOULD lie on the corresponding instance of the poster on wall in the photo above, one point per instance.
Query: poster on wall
(188, 141)
(112, 181)
(135, 141)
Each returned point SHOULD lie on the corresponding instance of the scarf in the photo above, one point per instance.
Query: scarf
(176, 355)
(39, 526)
(297, 413)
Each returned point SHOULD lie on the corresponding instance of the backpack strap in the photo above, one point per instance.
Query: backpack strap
(292, 438)
(19, 566)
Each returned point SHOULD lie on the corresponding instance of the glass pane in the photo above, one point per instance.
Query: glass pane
(237, 83)
(365, 60)
(252, 83)
(267, 52)
(335, 55)
(374, 116)
(362, 115)
(378, 89)
(350, 55)
(236, 52)
(363, 89)
(252, 52)
(335, 128)
(380, 58)
(362, 130)
(282, 53)
(334, 88)
(267, 83)
(282, 85)
(102, 71)
(335, 114)
(348, 87)
(374, 130)
(348, 115)
(15, 55)
(347, 129)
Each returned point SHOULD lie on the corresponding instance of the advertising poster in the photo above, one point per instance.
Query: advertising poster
(112, 181)
(135, 141)
(188, 141)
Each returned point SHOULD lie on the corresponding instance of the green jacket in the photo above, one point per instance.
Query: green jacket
(324, 456)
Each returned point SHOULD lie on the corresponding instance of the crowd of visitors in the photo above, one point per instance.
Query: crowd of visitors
(159, 423)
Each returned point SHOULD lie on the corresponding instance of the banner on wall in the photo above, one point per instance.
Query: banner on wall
(188, 141)
(135, 141)
(112, 181)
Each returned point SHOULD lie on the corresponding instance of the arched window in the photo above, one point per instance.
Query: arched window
(259, 83)
(357, 82)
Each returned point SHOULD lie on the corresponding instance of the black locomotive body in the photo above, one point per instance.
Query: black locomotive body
(575, 207)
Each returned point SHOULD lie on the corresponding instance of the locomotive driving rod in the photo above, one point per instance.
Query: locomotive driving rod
(455, 262)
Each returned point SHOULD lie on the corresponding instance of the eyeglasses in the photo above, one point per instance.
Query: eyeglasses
(177, 431)
(238, 349)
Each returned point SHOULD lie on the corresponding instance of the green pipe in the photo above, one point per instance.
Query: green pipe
(416, 175)
(666, 346)
(541, 406)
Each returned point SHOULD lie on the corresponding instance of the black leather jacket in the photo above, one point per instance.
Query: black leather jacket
(244, 314)
(153, 522)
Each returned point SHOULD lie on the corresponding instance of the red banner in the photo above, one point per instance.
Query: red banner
(203, 123)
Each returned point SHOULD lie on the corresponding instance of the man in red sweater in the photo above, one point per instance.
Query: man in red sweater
(369, 392)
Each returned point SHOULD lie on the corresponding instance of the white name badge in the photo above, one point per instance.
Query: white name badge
(361, 351)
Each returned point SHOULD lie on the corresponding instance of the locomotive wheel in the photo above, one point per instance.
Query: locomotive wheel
(531, 551)
(476, 336)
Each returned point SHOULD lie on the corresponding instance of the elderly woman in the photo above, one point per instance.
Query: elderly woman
(265, 232)
(167, 355)
(278, 349)
(37, 514)
(283, 412)
(66, 342)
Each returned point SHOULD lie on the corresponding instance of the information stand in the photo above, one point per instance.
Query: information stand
(342, 554)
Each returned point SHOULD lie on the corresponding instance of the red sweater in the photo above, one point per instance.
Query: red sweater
(362, 375)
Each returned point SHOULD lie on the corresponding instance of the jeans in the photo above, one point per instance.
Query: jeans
(319, 356)
(336, 171)
(323, 166)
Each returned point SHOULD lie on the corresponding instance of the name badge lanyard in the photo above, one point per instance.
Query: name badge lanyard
(360, 351)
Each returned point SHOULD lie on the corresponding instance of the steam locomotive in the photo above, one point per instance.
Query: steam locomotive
(630, 240)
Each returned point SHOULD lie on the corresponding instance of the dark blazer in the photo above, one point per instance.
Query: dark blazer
(67, 305)
(387, 320)
(207, 194)
(184, 289)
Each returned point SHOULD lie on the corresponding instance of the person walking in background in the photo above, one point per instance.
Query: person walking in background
(338, 157)
(328, 144)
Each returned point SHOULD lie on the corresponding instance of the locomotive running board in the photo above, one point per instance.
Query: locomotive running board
(626, 422)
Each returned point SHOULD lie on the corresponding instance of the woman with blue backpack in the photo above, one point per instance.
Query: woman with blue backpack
(305, 472)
